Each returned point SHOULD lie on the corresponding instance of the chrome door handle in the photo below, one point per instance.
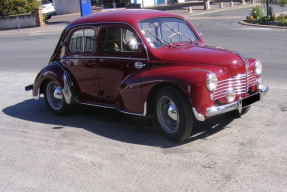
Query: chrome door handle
(139, 65)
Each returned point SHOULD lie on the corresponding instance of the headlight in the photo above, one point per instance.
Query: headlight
(257, 68)
(230, 95)
(211, 82)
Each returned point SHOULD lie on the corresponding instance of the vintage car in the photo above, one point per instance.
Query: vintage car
(147, 62)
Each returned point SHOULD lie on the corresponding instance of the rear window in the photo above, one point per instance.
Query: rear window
(82, 41)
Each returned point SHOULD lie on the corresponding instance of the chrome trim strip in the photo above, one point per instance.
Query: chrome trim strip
(235, 85)
(212, 111)
(145, 109)
(240, 76)
(198, 116)
(103, 57)
(108, 107)
(196, 69)
(231, 82)
(122, 58)
(244, 60)
(221, 109)
(252, 79)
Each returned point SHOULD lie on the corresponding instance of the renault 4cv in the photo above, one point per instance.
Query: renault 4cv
(147, 62)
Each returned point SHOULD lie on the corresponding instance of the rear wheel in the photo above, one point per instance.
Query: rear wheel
(173, 114)
(55, 99)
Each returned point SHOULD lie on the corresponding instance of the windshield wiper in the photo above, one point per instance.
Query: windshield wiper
(177, 33)
(159, 39)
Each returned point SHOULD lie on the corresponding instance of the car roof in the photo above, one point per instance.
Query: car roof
(130, 16)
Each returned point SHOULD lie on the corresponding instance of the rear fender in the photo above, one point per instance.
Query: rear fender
(54, 72)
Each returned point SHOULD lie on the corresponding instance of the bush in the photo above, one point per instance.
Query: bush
(257, 11)
(14, 7)
(264, 19)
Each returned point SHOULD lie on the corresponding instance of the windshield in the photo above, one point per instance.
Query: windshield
(163, 31)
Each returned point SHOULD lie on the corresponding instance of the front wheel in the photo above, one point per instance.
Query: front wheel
(54, 98)
(173, 114)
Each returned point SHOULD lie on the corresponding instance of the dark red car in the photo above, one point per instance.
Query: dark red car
(145, 62)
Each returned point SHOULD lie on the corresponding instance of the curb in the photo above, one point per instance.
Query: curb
(223, 9)
(242, 22)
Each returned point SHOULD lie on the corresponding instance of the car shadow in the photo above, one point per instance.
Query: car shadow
(112, 124)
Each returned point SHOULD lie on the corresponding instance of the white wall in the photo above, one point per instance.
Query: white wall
(67, 6)
(10, 22)
(147, 3)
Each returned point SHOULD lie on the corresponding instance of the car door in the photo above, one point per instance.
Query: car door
(80, 61)
(121, 54)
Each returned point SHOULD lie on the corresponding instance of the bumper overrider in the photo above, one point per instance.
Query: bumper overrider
(239, 105)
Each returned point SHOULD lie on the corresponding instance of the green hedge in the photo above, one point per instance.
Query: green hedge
(14, 7)
(280, 20)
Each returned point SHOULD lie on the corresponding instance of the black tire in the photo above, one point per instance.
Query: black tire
(57, 105)
(173, 114)
(243, 112)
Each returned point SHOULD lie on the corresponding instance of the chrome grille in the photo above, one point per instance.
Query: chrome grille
(239, 83)
(251, 78)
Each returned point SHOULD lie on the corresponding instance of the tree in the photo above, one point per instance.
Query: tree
(13, 7)
(282, 3)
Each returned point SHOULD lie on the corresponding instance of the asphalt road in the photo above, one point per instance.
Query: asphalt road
(103, 150)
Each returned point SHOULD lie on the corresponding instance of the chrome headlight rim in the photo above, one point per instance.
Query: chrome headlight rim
(257, 68)
(211, 82)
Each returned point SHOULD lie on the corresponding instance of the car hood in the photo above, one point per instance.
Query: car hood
(207, 55)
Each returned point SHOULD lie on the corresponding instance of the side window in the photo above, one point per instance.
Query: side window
(82, 41)
(116, 39)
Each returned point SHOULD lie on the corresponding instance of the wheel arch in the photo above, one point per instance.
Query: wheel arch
(151, 95)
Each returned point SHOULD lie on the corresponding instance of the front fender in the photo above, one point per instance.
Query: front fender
(55, 72)
(190, 79)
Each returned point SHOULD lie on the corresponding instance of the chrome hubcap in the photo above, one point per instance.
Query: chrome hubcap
(58, 93)
(172, 112)
(167, 115)
(54, 95)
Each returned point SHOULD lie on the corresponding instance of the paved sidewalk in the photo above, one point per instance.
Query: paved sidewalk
(58, 22)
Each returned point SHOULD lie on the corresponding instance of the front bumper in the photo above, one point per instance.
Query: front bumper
(216, 110)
